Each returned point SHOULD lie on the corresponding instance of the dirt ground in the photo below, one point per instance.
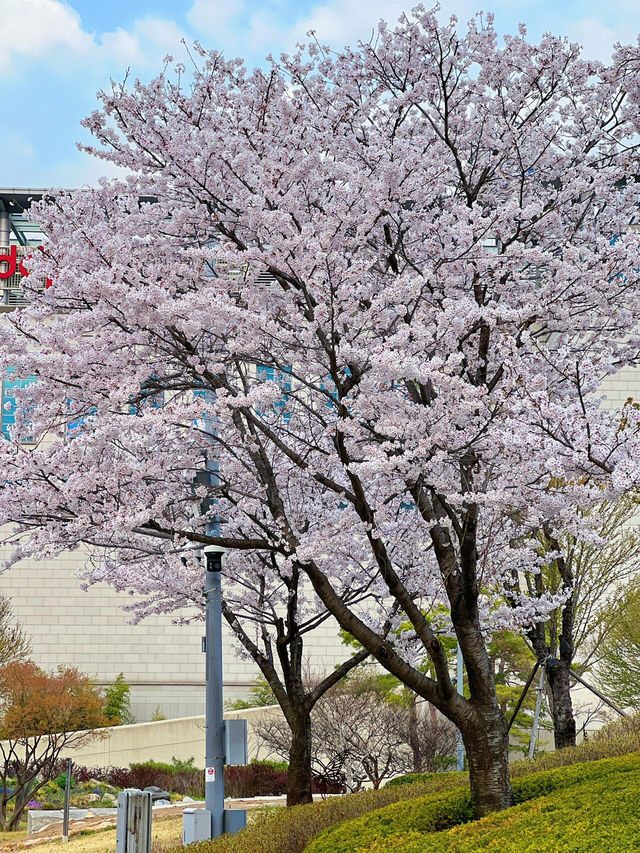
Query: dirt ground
(98, 834)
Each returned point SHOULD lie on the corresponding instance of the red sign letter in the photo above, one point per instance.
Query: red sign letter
(10, 259)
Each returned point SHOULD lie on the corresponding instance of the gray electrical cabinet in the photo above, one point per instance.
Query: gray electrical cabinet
(196, 826)
(234, 820)
(133, 833)
(235, 741)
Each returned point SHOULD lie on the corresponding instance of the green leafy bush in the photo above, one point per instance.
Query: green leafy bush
(410, 779)
(176, 767)
(622, 727)
(61, 781)
(260, 696)
(179, 777)
(424, 815)
(429, 814)
(593, 817)
(277, 765)
(291, 830)
(51, 795)
(619, 738)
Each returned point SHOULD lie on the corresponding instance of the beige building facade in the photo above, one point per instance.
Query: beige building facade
(163, 662)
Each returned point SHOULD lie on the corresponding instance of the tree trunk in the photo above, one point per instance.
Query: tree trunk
(299, 780)
(487, 745)
(564, 724)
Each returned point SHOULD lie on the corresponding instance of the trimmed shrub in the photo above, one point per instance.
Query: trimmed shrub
(430, 814)
(590, 750)
(423, 815)
(185, 782)
(410, 779)
(258, 779)
(594, 817)
(265, 779)
(621, 727)
(291, 830)
(619, 738)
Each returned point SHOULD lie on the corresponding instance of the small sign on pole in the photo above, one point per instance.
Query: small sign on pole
(210, 774)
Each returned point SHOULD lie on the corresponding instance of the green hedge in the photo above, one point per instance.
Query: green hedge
(291, 830)
(597, 816)
(429, 814)
(619, 738)
(423, 815)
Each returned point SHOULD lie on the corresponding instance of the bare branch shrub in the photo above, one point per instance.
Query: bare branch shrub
(359, 738)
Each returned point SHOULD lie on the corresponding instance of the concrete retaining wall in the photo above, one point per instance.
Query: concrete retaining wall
(161, 741)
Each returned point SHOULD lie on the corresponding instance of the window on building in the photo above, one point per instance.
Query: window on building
(282, 376)
(9, 402)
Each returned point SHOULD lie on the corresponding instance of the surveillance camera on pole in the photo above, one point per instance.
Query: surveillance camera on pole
(215, 557)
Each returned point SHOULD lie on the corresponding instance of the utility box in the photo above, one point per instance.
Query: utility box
(196, 826)
(234, 820)
(133, 834)
(235, 741)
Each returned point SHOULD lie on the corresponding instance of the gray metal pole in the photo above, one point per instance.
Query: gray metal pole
(214, 720)
(522, 695)
(67, 797)
(536, 715)
(600, 695)
(214, 710)
(460, 687)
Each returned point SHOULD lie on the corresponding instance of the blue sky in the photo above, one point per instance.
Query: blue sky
(57, 54)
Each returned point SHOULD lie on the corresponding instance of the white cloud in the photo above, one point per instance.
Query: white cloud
(341, 22)
(597, 38)
(347, 21)
(144, 46)
(36, 28)
(265, 31)
(121, 46)
(211, 17)
(50, 31)
(159, 31)
(82, 171)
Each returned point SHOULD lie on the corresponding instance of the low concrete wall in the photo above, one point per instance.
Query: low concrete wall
(183, 738)
(38, 819)
(162, 740)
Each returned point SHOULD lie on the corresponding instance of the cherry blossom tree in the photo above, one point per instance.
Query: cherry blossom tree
(270, 612)
(394, 278)
(593, 576)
